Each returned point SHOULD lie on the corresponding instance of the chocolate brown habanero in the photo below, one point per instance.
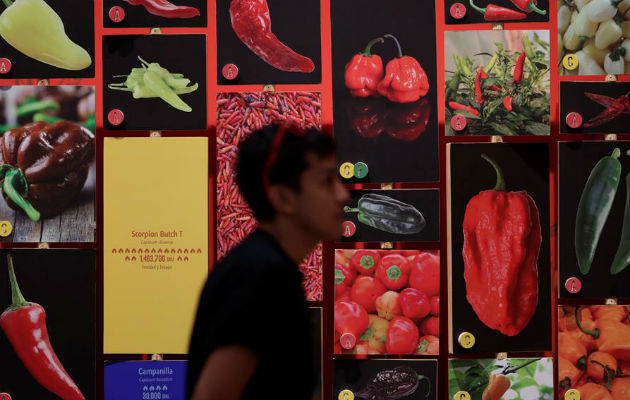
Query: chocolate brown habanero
(44, 166)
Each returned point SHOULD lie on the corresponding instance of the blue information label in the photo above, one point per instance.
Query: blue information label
(145, 380)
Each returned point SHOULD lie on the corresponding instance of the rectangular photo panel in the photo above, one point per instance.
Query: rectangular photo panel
(47, 39)
(400, 215)
(499, 270)
(154, 82)
(594, 218)
(510, 378)
(594, 107)
(149, 13)
(238, 115)
(497, 82)
(155, 242)
(268, 42)
(132, 380)
(392, 132)
(593, 351)
(385, 379)
(48, 144)
(47, 344)
(475, 11)
(592, 38)
(387, 302)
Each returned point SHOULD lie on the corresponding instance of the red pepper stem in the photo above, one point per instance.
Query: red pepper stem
(17, 300)
(368, 49)
(400, 54)
(594, 333)
(500, 185)
(533, 7)
(474, 6)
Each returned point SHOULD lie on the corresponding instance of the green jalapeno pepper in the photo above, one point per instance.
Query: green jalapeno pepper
(388, 215)
(622, 257)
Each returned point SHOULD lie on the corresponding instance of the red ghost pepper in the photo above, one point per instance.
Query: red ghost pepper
(364, 71)
(402, 336)
(405, 81)
(393, 271)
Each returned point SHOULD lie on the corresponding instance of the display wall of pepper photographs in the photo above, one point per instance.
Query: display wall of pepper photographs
(509, 378)
(152, 13)
(385, 379)
(48, 195)
(594, 107)
(51, 39)
(597, 34)
(497, 82)
(47, 344)
(238, 115)
(387, 302)
(385, 90)
(594, 216)
(497, 11)
(499, 270)
(402, 215)
(594, 351)
(154, 82)
(268, 42)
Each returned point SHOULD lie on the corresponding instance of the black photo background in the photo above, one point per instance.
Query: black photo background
(425, 201)
(475, 17)
(138, 16)
(573, 98)
(525, 167)
(365, 127)
(355, 375)
(295, 23)
(576, 161)
(62, 282)
(78, 22)
(185, 54)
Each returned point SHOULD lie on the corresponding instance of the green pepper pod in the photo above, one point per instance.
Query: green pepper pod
(594, 207)
(156, 84)
(527, 47)
(491, 63)
(622, 257)
(388, 215)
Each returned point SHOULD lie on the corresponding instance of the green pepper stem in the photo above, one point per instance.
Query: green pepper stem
(616, 153)
(532, 7)
(400, 54)
(422, 377)
(367, 51)
(17, 299)
(9, 189)
(350, 209)
(7, 3)
(500, 185)
(594, 333)
(37, 106)
(474, 6)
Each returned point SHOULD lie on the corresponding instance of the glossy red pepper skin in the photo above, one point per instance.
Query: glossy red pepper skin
(24, 323)
(528, 6)
(365, 291)
(507, 103)
(430, 326)
(425, 274)
(365, 261)
(252, 24)
(364, 71)
(344, 277)
(502, 238)
(405, 81)
(408, 121)
(494, 12)
(414, 304)
(366, 117)
(478, 89)
(163, 8)
(402, 336)
(393, 271)
(351, 318)
(518, 69)
(456, 106)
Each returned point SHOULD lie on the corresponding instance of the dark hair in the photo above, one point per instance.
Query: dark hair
(287, 169)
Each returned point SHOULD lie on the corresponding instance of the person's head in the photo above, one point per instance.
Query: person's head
(285, 172)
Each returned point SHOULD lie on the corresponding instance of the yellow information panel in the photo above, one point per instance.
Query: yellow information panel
(155, 241)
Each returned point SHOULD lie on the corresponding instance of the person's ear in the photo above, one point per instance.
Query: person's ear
(282, 199)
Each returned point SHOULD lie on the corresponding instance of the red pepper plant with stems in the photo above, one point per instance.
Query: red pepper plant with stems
(505, 95)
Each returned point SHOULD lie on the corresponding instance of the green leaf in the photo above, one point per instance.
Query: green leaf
(501, 129)
(537, 128)
(467, 114)
(525, 382)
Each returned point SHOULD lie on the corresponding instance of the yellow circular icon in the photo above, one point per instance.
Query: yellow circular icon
(346, 170)
(572, 394)
(346, 395)
(466, 340)
(461, 395)
(5, 228)
(570, 62)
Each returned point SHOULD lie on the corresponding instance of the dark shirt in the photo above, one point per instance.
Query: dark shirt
(254, 298)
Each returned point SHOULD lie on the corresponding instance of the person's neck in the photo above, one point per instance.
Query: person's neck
(295, 242)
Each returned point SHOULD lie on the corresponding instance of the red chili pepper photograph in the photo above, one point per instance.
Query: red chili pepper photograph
(500, 268)
(162, 13)
(392, 307)
(47, 338)
(478, 11)
(499, 81)
(603, 106)
(269, 41)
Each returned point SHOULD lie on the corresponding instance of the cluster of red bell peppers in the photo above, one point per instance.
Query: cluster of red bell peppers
(388, 301)
(402, 81)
